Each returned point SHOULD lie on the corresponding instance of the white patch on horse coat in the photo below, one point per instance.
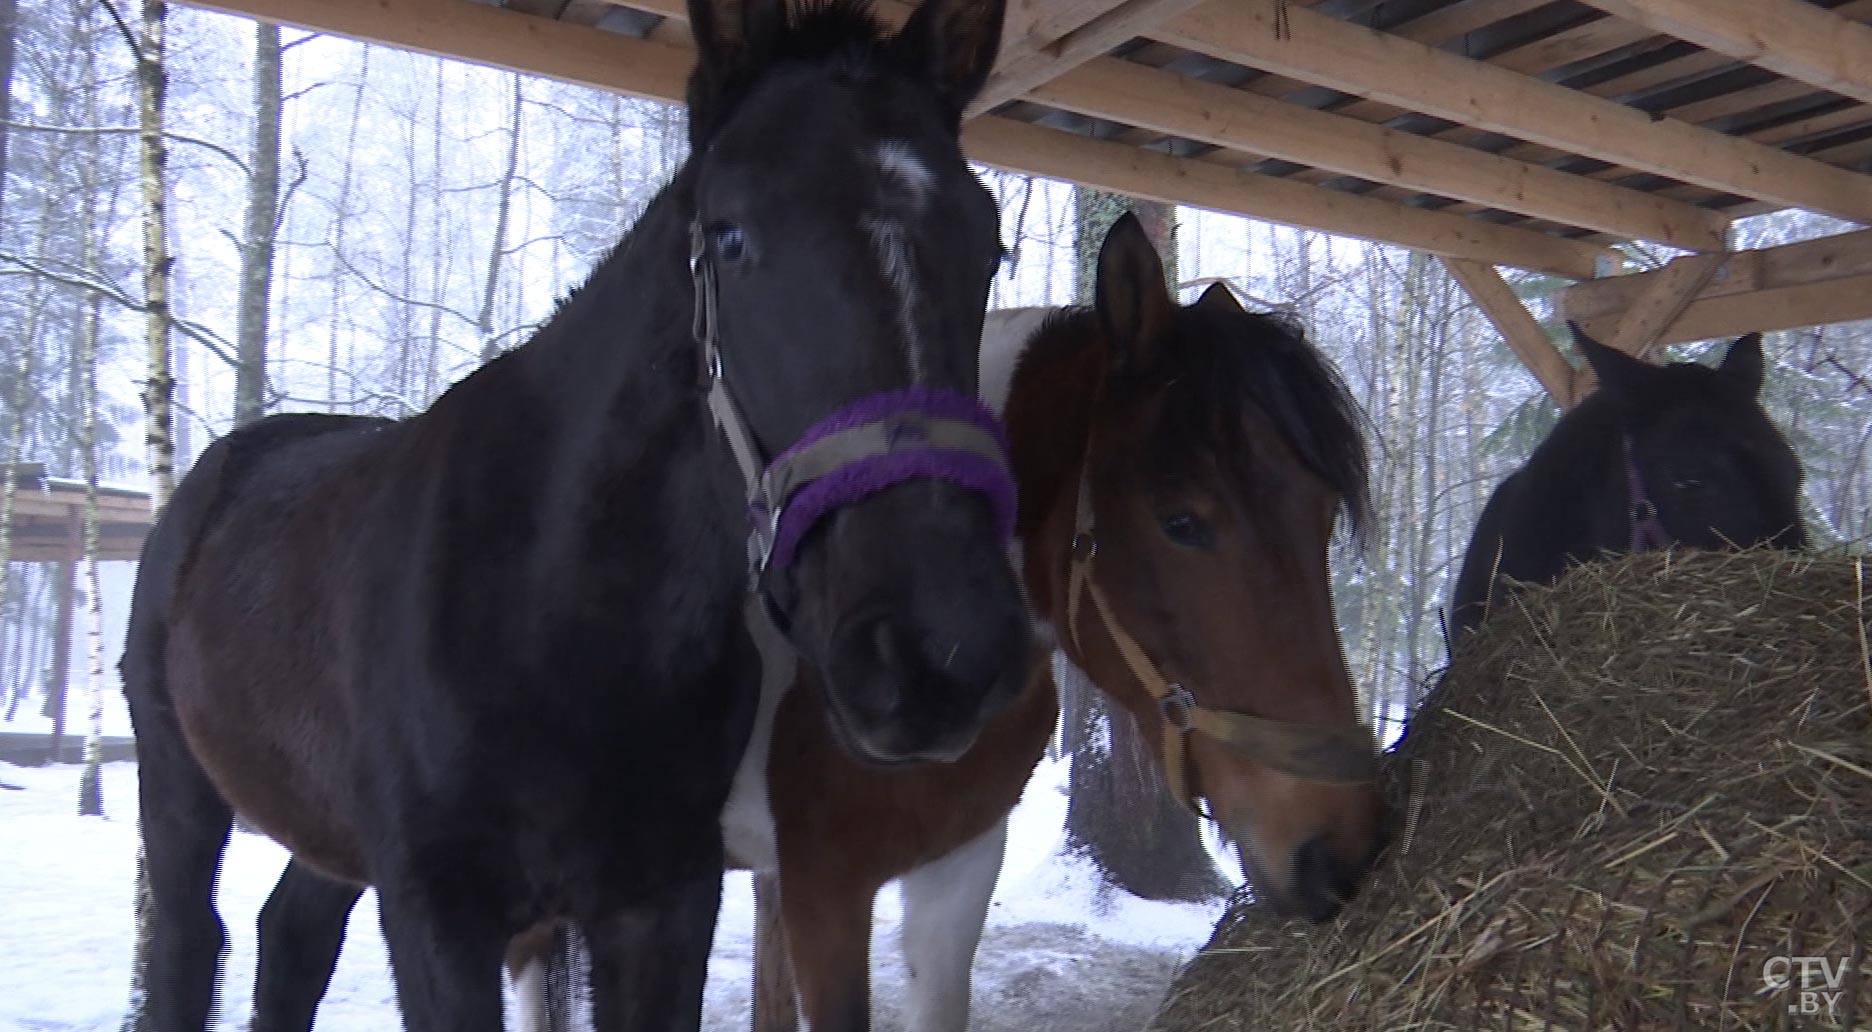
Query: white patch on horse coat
(945, 904)
(893, 255)
(747, 821)
(900, 163)
(909, 182)
(1005, 333)
(529, 988)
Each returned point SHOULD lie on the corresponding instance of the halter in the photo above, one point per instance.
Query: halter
(1310, 752)
(1647, 530)
(857, 451)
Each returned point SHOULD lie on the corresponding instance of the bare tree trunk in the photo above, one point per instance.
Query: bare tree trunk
(260, 231)
(1119, 813)
(159, 377)
(91, 782)
(339, 222)
(484, 319)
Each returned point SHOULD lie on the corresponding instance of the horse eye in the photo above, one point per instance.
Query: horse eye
(1188, 530)
(727, 241)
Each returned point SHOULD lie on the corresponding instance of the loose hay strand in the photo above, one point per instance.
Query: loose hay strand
(1627, 793)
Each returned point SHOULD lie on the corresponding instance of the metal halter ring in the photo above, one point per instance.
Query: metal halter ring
(1177, 707)
(1084, 546)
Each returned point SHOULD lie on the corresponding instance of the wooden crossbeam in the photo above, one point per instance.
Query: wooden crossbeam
(1804, 284)
(1006, 143)
(1028, 62)
(1162, 101)
(1661, 302)
(1790, 37)
(1518, 327)
(612, 61)
(1294, 41)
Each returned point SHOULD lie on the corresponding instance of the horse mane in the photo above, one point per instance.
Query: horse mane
(844, 35)
(1219, 358)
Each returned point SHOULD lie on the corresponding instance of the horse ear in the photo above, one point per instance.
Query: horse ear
(1133, 304)
(732, 37)
(1219, 298)
(955, 42)
(728, 32)
(1742, 366)
(1614, 368)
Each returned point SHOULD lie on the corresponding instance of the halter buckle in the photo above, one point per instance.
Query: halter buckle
(1178, 707)
(1084, 546)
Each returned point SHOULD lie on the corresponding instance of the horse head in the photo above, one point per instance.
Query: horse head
(1222, 449)
(1700, 464)
(839, 301)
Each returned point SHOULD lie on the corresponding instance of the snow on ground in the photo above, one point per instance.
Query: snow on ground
(1058, 953)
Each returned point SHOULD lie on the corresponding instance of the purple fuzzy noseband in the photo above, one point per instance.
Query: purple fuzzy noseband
(912, 434)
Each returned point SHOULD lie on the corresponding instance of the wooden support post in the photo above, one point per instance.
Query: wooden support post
(1518, 327)
(64, 601)
(1663, 299)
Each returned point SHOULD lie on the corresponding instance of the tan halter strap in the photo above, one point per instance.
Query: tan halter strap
(1310, 752)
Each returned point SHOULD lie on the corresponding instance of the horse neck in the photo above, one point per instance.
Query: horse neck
(1049, 420)
(624, 444)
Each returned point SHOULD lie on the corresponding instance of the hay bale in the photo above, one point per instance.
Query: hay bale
(1630, 792)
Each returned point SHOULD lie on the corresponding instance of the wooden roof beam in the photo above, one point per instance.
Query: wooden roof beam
(1120, 168)
(1027, 60)
(1810, 283)
(1789, 37)
(487, 35)
(1293, 41)
(1149, 98)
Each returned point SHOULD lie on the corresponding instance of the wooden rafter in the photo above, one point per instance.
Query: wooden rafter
(1790, 37)
(1018, 146)
(612, 61)
(1294, 41)
(1518, 327)
(1177, 105)
(1808, 283)
(1027, 61)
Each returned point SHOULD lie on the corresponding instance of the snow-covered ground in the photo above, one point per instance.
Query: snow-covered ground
(1058, 954)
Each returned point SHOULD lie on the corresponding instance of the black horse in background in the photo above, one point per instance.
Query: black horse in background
(493, 660)
(1657, 457)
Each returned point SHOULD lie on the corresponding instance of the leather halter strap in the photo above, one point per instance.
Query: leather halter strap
(1647, 529)
(1311, 752)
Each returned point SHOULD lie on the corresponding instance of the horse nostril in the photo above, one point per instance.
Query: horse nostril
(1321, 884)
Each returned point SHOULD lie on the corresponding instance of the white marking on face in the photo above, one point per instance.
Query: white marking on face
(900, 164)
(893, 255)
(909, 183)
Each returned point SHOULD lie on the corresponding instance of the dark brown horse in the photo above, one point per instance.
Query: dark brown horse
(1180, 471)
(1656, 457)
(496, 660)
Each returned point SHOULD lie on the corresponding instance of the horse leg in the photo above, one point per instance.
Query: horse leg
(945, 904)
(828, 933)
(445, 951)
(649, 964)
(776, 1008)
(302, 927)
(184, 823)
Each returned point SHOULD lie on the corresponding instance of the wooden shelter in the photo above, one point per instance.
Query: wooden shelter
(1533, 134)
(48, 527)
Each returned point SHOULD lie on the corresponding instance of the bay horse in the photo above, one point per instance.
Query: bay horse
(1180, 472)
(1656, 457)
(500, 660)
